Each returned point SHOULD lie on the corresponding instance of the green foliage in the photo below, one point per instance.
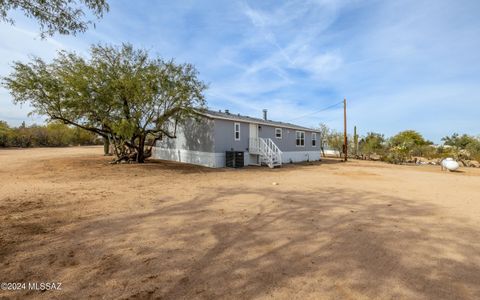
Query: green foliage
(409, 139)
(62, 16)
(427, 151)
(5, 133)
(406, 144)
(52, 135)
(459, 141)
(474, 149)
(330, 138)
(58, 134)
(119, 93)
(335, 140)
(463, 146)
(355, 141)
(83, 137)
(396, 155)
(323, 137)
(373, 143)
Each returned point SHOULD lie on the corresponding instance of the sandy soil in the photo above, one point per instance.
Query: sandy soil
(330, 230)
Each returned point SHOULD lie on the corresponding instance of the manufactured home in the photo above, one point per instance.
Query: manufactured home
(209, 139)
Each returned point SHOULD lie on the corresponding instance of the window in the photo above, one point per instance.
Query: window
(278, 133)
(314, 139)
(236, 127)
(300, 138)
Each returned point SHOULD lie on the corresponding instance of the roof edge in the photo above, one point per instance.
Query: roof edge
(294, 127)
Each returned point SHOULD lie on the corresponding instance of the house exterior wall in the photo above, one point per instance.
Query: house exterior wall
(288, 141)
(224, 135)
(195, 135)
(288, 144)
(194, 143)
(225, 141)
(205, 141)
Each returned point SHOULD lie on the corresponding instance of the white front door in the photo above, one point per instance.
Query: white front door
(254, 146)
(253, 130)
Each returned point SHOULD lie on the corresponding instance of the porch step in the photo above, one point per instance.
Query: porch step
(268, 151)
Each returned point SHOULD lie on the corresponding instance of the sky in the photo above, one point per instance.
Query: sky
(400, 64)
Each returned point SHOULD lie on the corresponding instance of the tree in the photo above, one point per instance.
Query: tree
(407, 143)
(119, 93)
(58, 135)
(83, 137)
(62, 16)
(373, 143)
(323, 139)
(464, 146)
(335, 141)
(54, 134)
(459, 141)
(23, 137)
(4, 134)
(409, 139)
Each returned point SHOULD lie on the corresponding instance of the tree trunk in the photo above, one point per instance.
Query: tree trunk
(106, 146)
(141, 150)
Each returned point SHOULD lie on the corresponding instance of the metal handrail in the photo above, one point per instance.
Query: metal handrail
(266, 148)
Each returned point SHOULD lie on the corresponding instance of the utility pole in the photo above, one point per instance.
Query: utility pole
(345, 145)
(355, 142)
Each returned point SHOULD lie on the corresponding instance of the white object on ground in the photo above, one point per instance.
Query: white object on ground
(450, 164)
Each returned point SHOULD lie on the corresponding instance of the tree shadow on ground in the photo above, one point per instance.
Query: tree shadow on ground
(250, 243)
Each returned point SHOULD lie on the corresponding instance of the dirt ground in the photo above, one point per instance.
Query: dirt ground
(329, 230)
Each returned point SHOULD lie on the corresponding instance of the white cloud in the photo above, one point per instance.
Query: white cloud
(295, 49)
(283, 38)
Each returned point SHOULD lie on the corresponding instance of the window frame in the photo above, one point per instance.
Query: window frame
(301, 139)
(314, 134)
(281, 133)
(235, 131)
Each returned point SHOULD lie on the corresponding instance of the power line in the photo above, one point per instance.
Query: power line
(317, 111)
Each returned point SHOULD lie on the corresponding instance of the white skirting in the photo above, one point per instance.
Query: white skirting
(332, 152)
(299, 156)
(217, 160)
(208, 159)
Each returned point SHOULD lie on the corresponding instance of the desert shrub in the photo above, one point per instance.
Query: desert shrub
(59, 135)
(397, 155)
(4, 134)
(83, 137)
(22, 137)
(51, 135)
(373, 143)
(335, 141)
(463, 146)
(406, 144)
(473, 149)
(427, 151)
(409, 139)
(459, 141)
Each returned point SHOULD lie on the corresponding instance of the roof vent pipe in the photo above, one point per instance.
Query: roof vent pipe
(265, 114)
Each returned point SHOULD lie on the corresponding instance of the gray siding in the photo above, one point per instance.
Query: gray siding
(225, 137)
(195, 135)
(207, 135)
(288, 140)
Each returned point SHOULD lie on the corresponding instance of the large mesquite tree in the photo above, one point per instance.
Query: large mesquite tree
(119, 93)
(62, 16)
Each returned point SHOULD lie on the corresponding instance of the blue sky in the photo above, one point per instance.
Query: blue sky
(400, 64)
